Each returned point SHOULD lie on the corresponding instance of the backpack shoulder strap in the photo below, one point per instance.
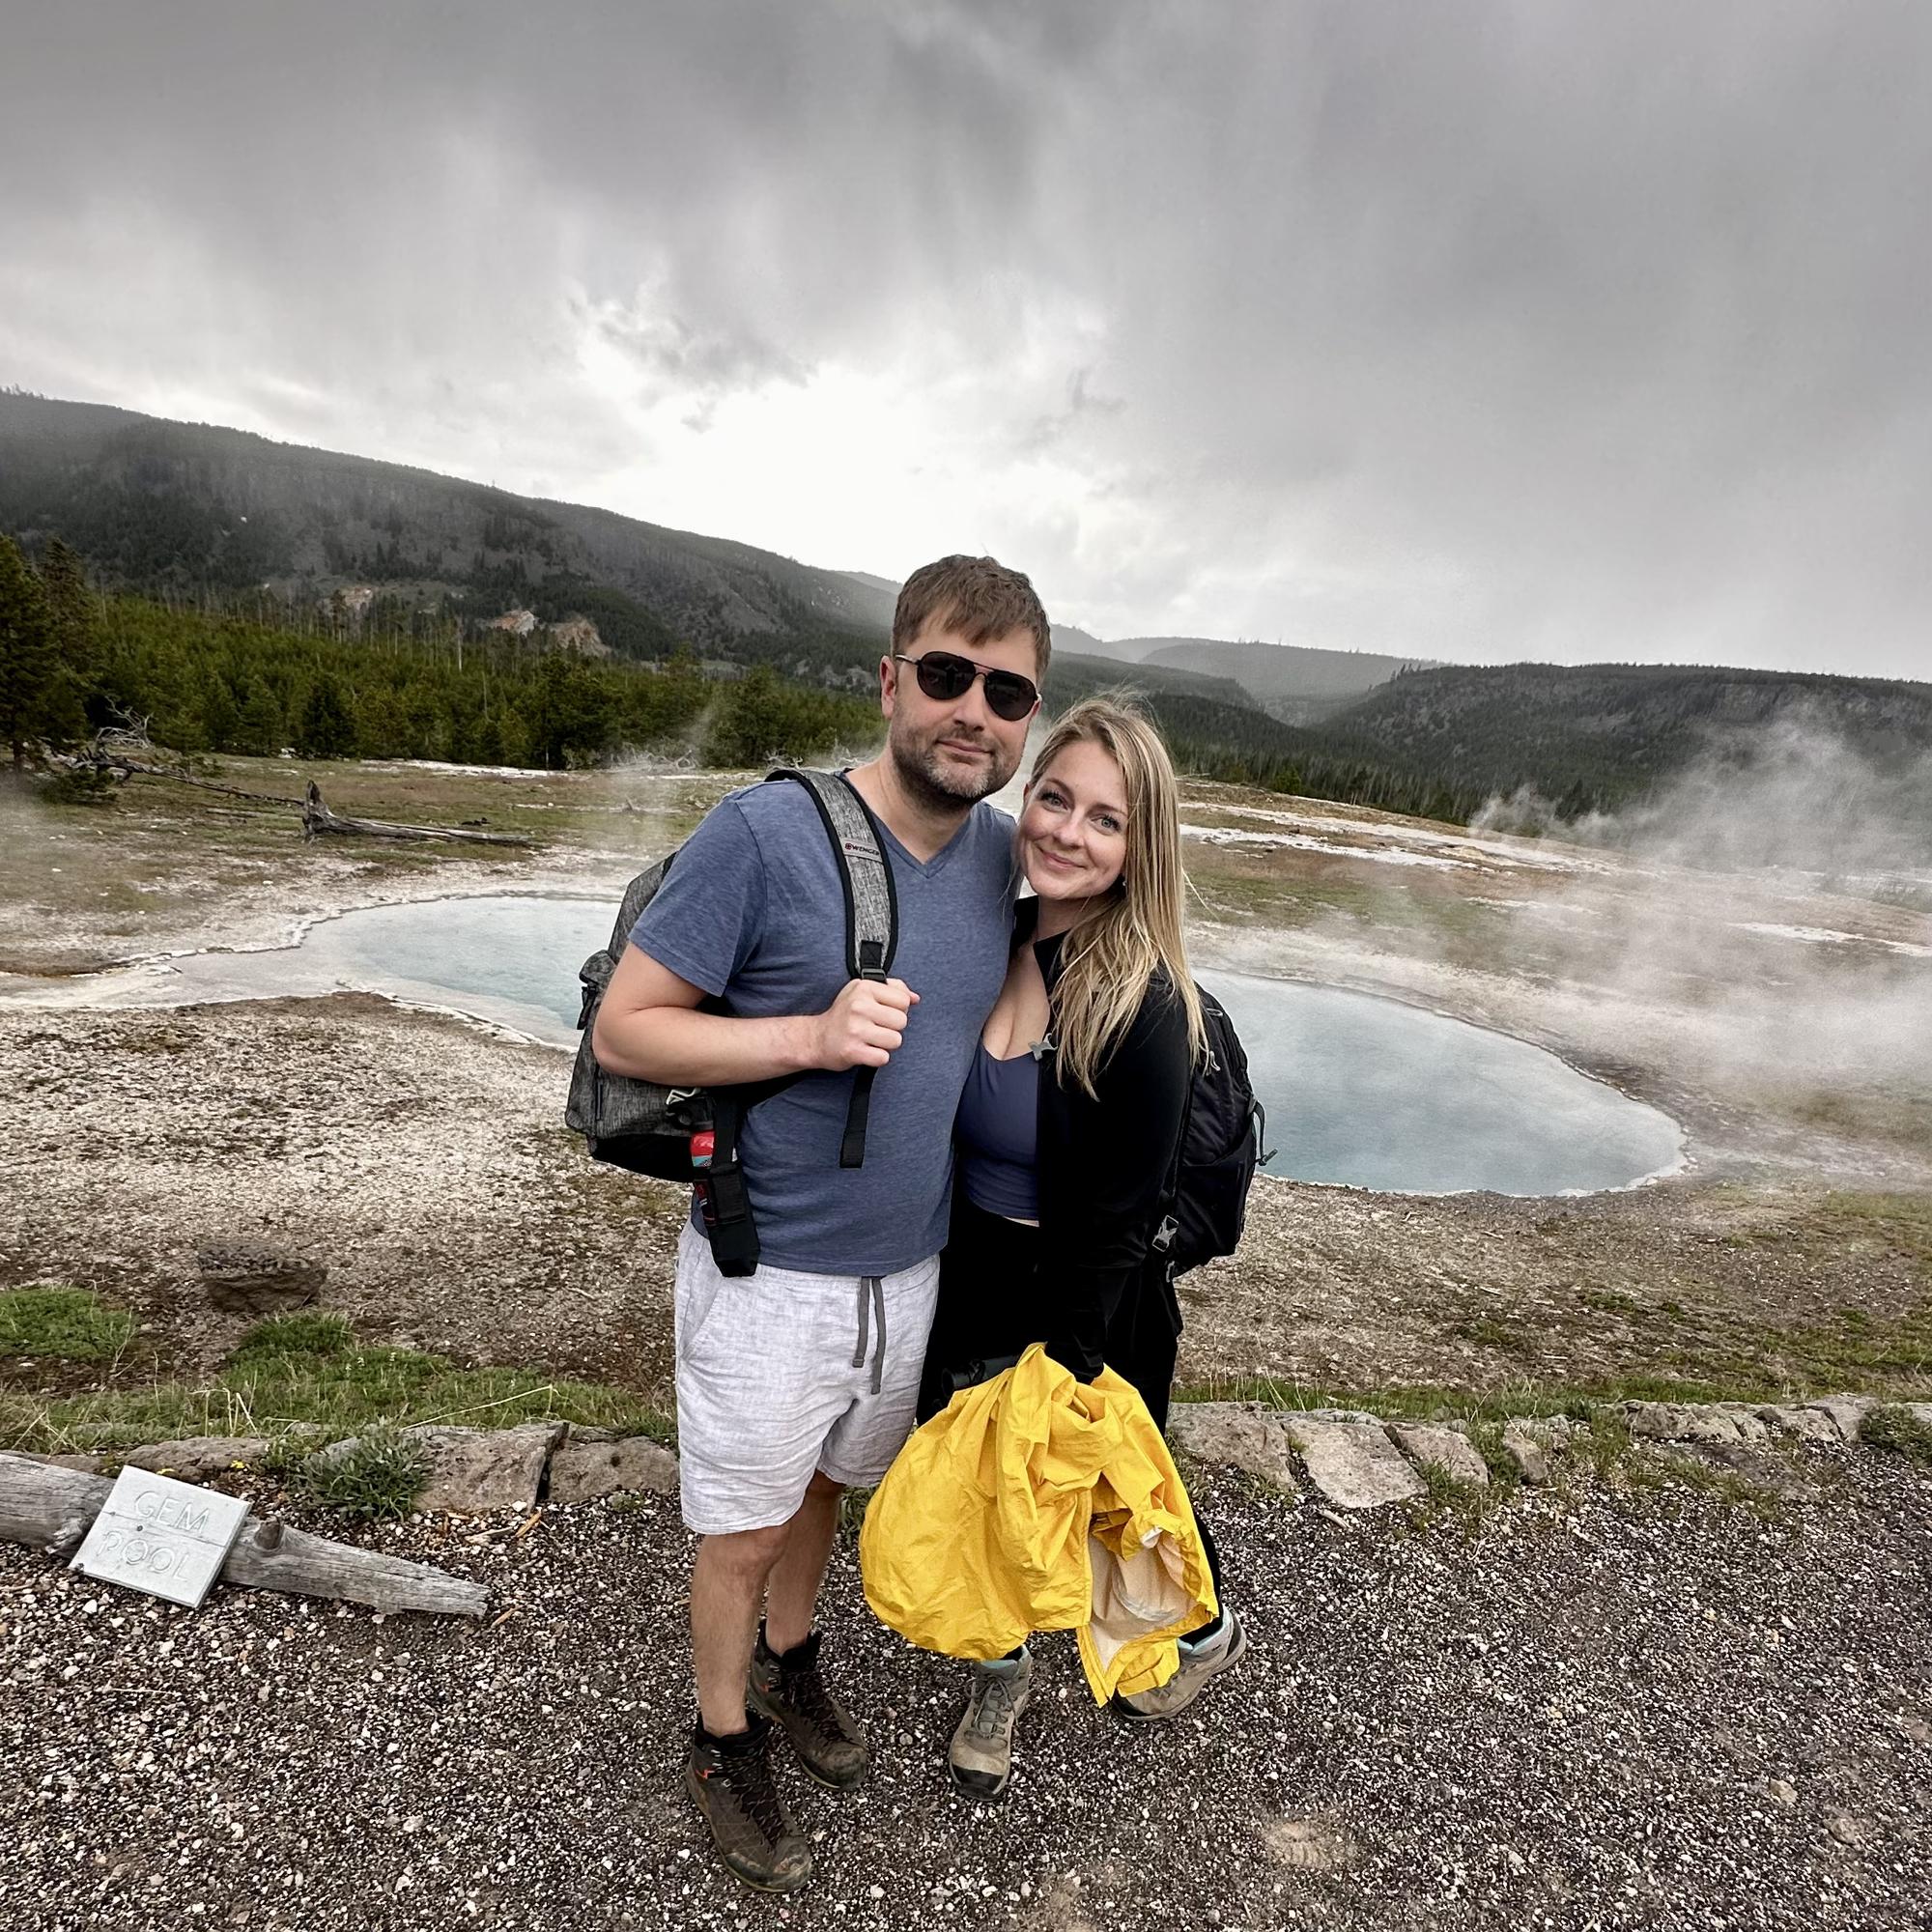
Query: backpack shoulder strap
(872, 902)
(871, 913)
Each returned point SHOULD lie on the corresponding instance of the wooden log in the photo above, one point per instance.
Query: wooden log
(50, 1509)
(318, 819)
(132, 768)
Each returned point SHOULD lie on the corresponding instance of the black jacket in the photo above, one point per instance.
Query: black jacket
(1106, 1162)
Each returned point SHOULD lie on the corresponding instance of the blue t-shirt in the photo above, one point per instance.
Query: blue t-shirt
(753, 913)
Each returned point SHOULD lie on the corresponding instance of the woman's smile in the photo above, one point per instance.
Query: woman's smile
(1073, 832)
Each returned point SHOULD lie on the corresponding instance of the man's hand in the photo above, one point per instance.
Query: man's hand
(648, 1029)
(864, 1024)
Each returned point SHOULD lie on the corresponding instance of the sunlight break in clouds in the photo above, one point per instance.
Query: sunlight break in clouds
(732, 441)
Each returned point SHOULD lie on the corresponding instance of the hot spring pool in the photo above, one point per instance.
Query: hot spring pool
(1358, 1090)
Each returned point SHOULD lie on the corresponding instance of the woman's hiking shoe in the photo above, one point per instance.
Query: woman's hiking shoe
(980, 1760)
(1200, 1664)
(730, 1782)
(789, 1690)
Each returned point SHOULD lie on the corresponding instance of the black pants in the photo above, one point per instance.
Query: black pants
(993, 1306)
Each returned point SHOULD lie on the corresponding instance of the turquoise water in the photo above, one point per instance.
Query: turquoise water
(1376, 1094)
(1358, 1090)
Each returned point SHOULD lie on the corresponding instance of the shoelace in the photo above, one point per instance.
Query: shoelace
(805, 1692)
(751, 1778)
(991, 1707)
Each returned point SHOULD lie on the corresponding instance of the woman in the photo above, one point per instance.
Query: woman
(1067, 1136)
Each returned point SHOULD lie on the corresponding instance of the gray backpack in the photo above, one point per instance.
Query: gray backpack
(690, 1134)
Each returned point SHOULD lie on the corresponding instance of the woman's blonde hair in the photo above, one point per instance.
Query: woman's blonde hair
(1110, 956)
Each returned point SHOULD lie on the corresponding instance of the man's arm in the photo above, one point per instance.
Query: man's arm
(649, 1027)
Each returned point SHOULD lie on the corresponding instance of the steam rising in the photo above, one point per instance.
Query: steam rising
(1753, 945)
(1794, 798)
(1767, 933)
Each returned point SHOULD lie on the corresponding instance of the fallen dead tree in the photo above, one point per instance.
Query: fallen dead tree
(318, 819)
(50, 1509)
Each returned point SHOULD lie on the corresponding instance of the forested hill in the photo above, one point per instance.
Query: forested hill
(1595, 735)
(160, 506)
(1272, 670)
(404, 570)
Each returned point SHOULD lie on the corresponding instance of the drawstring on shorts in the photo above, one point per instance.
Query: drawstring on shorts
(872, 1299)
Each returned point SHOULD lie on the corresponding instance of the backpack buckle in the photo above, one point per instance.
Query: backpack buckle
(1163, 1235)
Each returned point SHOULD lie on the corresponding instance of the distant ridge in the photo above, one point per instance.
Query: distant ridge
(156, 504)
(237, 524)
(1278, 671)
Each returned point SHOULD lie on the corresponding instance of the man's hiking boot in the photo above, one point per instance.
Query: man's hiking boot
(1200, 1664)
(980, 1759)
(730, 1782)
(789, 1690)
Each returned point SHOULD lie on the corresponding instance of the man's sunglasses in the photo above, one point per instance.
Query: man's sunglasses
(943, 676)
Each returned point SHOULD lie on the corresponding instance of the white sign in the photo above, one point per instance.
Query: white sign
(166, 1538)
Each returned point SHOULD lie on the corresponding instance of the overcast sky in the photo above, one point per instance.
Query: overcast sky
(1484, 332)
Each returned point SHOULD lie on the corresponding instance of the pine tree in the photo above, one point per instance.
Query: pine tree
(70, 605)
(30, 665)
(220, 714)
(259, 731)
(327, 728)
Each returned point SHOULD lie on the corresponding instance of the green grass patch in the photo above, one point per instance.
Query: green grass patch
(1487, 1332)
(379, 1474)
(1486, 1434)
(1611, 1301)
(306, 1335)
(1894, 1428)
(306, 1373)
(67, 1322)
(1448, 1499)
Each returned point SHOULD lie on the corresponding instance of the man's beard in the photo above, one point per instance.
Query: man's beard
(941, 786)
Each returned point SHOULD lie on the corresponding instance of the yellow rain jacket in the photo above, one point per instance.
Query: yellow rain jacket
(1038, 1502)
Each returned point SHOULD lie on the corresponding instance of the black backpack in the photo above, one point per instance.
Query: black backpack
(690, 1134)
(1221, 1146)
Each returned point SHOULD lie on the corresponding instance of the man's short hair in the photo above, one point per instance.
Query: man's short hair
(979, 598)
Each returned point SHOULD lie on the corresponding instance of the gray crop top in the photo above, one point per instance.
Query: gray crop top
(997, 1136)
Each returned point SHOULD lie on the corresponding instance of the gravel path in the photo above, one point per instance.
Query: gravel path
(1648, 1709)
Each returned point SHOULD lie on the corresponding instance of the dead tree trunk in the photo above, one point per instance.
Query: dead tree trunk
(50, 1509)
(318, 819)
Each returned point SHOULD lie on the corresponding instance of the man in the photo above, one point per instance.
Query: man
(802, 1378)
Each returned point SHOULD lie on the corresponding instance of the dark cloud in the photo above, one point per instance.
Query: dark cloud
(1535, 329)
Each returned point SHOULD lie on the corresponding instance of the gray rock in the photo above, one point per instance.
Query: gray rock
(587, 1466)
(196, 1458)
(1530, 1455)
(1810, 1425)
(1681, 1422)
(1248, 1436)
(1848, 1412)
(88, 1465)
(475, 1471)
(1535, 1443)
(1750, 1426)
(1428, 1444)
(250, 1279)
(1353, 1464)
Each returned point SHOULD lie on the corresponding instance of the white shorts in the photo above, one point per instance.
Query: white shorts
(781, 1373)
